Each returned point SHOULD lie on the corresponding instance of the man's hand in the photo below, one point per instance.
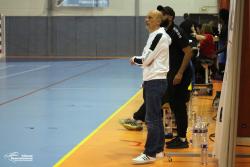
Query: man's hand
(131, 60)
(177, 79)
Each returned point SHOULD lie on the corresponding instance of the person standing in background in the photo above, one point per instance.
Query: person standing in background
(179, 76)
(187, 25)
(223, 35)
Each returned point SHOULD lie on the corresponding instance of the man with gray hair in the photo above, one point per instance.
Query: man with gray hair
(155, 65)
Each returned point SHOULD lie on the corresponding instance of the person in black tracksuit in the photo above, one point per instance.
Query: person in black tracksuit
(179, 76)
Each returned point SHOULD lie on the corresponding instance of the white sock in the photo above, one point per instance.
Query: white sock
(183, 139)
(139, 121)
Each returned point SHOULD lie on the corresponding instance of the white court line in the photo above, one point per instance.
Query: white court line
(3, 68)
(19, 73)
(71, 88)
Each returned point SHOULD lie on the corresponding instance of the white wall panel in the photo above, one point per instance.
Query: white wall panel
(180, 6)
(23, 7)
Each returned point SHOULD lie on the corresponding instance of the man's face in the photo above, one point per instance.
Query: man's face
(152, 22)
(166, 19)
(165, 16)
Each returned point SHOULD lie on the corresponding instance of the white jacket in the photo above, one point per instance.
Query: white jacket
(155, 56)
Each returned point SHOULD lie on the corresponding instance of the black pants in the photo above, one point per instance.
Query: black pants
(178, 96)
(140, 114)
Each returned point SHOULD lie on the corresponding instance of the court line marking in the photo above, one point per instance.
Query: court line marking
(53, 84)
(78, 88)
(8, 66)
(19, 73)
(95, 131)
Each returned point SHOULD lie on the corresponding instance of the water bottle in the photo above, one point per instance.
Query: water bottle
(203, 131)
(196, 135)
(204, 143)
(204, 153)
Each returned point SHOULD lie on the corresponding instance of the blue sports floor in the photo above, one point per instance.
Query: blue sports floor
(47, 108)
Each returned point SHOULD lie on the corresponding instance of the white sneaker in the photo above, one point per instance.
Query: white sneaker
(143, 159)
(160, 155)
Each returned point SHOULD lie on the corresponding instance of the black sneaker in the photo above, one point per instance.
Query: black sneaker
(173, 140)
(177, 143)
(169, 135)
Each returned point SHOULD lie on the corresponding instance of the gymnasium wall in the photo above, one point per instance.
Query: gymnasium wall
(39, 28)
(74, 36)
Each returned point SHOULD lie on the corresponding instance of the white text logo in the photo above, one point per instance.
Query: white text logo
(17, 157)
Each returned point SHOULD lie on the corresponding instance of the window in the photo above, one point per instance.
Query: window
(82, 3)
